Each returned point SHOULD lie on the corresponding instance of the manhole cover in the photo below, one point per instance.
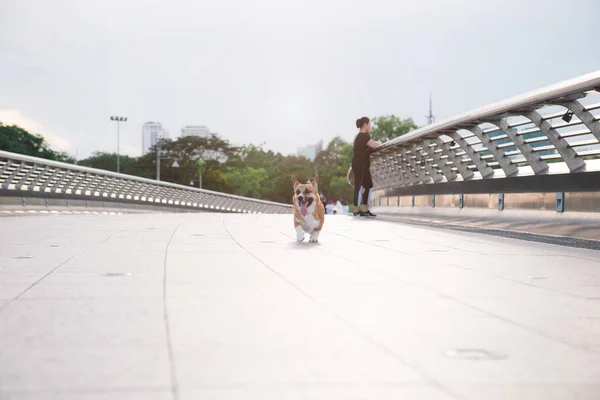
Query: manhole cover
(21, 257)
(474, 354)
(117, 274)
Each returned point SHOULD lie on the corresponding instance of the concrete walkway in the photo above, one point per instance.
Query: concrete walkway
(189, 306)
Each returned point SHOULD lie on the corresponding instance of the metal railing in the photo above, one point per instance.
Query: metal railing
(554, 130)
(36, 177)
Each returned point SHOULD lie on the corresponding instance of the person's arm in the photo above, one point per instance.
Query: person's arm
(373, 144)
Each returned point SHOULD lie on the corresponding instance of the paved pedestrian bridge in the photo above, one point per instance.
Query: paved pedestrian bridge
(230, 306)
(119, 287)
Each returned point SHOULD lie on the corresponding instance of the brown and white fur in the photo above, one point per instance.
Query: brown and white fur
(309, 212)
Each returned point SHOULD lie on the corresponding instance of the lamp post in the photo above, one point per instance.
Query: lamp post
(201, 164)
(158, 160)
(208, 155)
(192, 183)
(174, 165)
(119, 120)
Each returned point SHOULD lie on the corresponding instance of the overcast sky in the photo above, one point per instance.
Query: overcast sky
(283, 72)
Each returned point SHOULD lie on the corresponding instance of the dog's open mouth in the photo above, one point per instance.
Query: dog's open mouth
(304, 206)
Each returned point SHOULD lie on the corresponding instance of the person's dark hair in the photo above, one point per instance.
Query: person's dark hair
(361, 122)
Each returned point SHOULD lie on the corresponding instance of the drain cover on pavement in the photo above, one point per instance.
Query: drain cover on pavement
(474, 354)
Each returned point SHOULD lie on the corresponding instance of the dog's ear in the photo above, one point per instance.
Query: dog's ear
(315, 182)
(295, 181)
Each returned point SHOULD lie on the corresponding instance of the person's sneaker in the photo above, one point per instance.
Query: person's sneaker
(356, 214)
(369, 214)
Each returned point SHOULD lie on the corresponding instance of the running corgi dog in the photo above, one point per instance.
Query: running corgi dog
(309, 212)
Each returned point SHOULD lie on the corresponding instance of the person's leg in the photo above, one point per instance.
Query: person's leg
(365, 198)
(356, 198)
(357, 169)
(360, 196)
(367, 183)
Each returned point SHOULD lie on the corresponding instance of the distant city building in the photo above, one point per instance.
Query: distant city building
(195, 130)
(310, 151)
(151, 133)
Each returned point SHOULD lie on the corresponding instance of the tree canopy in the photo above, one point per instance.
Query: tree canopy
(18, 140)
(388, 127)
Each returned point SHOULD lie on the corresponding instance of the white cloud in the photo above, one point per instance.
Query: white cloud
(14, 117)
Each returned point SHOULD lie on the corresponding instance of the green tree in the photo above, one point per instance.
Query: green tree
(17, 140)
(195, 155)
(332, 164)
(108, 162)
(281, 183)
(256, 157)
(248, 182)
(340, 190)
(145, 166)
(388, 127)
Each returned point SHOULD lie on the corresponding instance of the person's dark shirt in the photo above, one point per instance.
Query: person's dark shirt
(362, 153)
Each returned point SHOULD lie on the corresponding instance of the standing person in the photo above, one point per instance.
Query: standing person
(361, 164)
(330, 207)
(339, 209)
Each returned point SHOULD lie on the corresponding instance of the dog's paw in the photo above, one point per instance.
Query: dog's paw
(313, 241)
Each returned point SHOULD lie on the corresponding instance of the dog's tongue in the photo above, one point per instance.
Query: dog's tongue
(304, 209)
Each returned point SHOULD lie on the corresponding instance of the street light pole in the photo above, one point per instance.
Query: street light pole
(174, 165)
(158, 160)
(119, 120)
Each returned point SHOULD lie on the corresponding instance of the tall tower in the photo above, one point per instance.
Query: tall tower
(430, 117)
(151, 133)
